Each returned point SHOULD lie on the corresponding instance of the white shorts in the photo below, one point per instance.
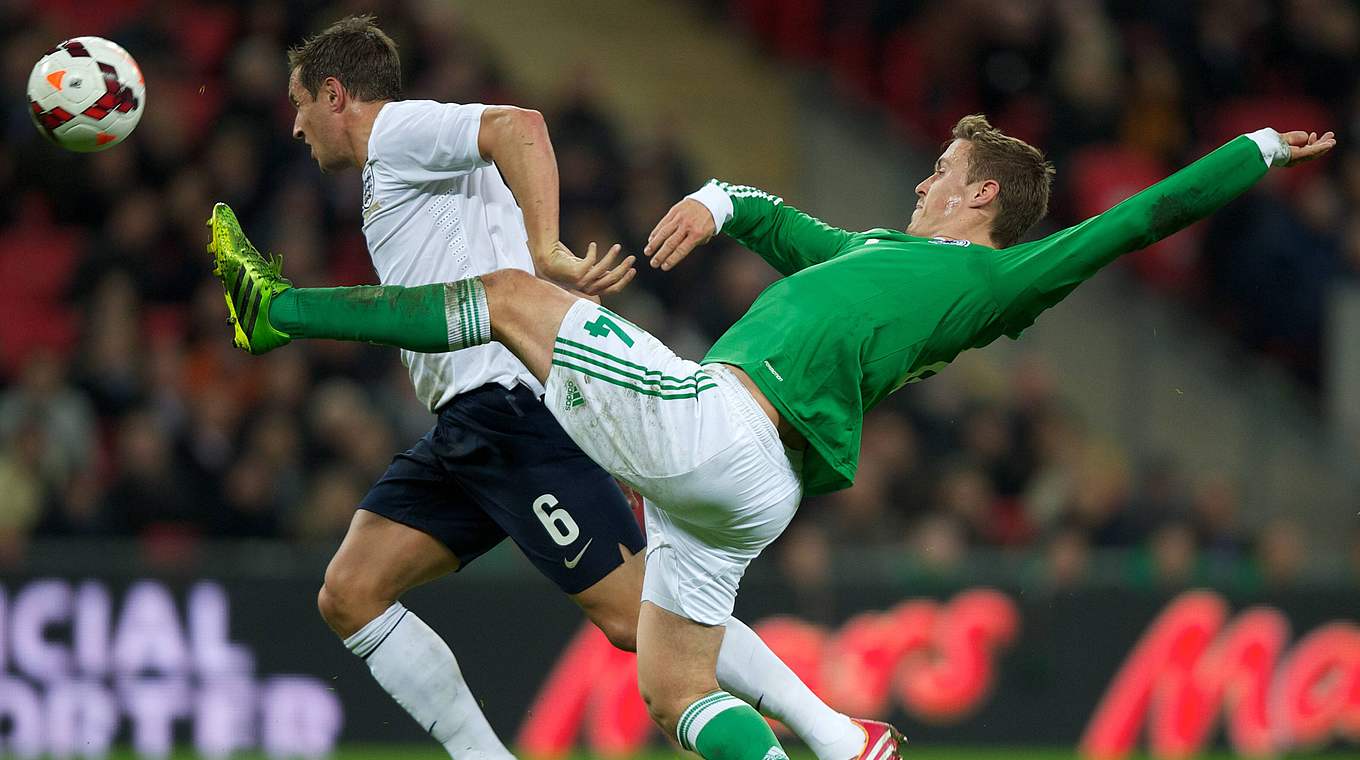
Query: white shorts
(718, 484)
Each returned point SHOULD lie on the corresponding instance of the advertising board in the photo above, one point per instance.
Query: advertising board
(226, 664)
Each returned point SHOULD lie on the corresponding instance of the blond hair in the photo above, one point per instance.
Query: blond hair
(1025, 176)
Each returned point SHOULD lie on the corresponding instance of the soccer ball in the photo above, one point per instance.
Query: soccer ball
(86, 94)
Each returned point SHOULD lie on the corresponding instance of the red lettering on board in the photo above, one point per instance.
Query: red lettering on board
(1189, 668)
(938, 660)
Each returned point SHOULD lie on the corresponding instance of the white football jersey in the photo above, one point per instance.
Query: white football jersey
(436, 211)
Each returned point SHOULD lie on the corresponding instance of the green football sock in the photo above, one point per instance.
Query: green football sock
(425, 318)
(722, 727)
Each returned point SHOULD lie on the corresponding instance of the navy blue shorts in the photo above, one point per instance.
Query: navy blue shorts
(497, 464)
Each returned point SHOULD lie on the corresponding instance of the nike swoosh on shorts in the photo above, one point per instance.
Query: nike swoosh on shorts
(571, 563)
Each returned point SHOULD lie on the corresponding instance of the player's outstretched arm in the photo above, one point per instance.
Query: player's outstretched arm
(1031, 277)
(516, 140)
(784, 236)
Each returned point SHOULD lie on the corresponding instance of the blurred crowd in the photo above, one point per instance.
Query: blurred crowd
(995, 458)
(1120, 93)
(125, 411)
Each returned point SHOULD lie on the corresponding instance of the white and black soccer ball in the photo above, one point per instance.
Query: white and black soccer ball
(86, 94)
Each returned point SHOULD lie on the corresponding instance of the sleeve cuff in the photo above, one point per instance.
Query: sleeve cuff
(1273, 147)
(718, 203)
(474, 113)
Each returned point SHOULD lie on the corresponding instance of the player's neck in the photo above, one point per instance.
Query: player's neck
(978, 231)
(362, 117)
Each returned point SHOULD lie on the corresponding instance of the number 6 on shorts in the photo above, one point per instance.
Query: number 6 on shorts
(557, 522)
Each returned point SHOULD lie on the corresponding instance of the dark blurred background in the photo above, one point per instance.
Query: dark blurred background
(1211, 450)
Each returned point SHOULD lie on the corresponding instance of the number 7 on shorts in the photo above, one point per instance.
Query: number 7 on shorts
(604, 325)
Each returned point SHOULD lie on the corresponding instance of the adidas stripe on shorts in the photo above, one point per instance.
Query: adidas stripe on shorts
(719, 485)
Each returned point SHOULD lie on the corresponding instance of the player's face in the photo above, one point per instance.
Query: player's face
(317, 126)
(941, 196)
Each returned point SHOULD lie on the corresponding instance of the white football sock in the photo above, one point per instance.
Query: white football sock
(418, 669)
(748, 669)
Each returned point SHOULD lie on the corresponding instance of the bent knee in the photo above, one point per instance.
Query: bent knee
(660, 708)
(666, 703)
(328, 604)
(348, 603)
(621, 633)
(337, 611)
(669, 686)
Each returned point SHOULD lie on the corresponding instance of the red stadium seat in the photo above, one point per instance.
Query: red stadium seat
(90, 18)
(205, 34)
(36, 257)
(165, 323)
(852, 59)
(33, 327)
(924, 101)
(36, 262)
(798, 31)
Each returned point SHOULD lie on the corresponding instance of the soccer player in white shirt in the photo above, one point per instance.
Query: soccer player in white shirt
(450, 192)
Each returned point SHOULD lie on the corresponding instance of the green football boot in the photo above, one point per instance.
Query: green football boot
(251, 283)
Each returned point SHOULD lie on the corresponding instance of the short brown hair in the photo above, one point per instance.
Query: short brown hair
(356, 52)
(1020, 168)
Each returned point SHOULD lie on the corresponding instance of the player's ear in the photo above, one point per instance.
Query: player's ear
(984, 194)
(333, 94)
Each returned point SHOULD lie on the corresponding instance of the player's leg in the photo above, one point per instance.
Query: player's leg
(668, 427)
(707, 717)
(746, 668)
(688, 594)
(412, 527)
(569, 518)
(510, 306)
(378, 561)
(612, 602)
(533, 458)
(677, 658)
(266, 311)
(528, 317)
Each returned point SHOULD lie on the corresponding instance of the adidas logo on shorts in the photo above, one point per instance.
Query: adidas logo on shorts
(573, 397)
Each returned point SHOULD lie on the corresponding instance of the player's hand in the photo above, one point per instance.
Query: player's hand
(593, 275)
(1306, 146)
(689, 223)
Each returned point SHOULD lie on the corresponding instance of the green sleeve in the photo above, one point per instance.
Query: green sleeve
(1031, 277)
(784, 236)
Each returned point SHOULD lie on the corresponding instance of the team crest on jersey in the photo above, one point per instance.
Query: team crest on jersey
(368, 188)
(951, 241)
(572, 398)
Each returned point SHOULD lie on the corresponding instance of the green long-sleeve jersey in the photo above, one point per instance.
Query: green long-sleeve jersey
(859, 315)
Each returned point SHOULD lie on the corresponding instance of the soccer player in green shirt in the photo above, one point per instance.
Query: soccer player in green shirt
(723, 450)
